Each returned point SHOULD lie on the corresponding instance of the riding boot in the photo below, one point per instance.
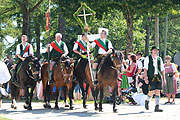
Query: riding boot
(94, 73)
(13, 79)
(51, 78)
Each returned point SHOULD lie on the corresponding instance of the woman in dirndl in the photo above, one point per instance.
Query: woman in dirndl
(171, 86)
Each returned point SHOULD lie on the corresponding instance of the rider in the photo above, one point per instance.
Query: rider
(23, 50)
(80, 47)
(58, 49)
(102, 47)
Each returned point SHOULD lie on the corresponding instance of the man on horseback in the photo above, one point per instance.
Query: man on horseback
(23, 50)
(102, 47)
(80, 47)
(57, 49)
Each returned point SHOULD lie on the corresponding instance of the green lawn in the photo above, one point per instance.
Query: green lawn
(1, 118)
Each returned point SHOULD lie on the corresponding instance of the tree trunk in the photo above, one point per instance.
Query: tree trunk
(165, 41)
(61, 26)
(25, 28)
(37, 32)
(148, 34)
(129, 36)
(156, 30)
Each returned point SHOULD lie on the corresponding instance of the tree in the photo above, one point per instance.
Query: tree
(26, 11)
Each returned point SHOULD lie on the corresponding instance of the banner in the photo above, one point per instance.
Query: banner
(47, 21)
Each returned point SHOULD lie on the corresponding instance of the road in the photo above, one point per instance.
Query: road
(125, 112)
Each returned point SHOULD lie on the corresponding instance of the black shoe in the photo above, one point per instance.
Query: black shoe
(147, 105)
(157, 109)
(95, 82)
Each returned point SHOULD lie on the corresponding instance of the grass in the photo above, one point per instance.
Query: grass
(2, 118)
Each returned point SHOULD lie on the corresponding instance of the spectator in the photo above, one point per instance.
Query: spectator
(132, 68)
(171, 87)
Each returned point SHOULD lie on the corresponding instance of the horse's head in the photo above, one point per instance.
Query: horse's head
(35, 67)
(117, 57)
(67, 68)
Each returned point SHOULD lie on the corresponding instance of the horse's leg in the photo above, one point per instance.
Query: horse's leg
(114, 98)
(64, 88)
(83, 94)
(57, 95)
(101, 98)
(73, 87)
(26, 89)
(48, 95)
(70, 97)
(94, 94)
(13, 95)
(86, 94)
(30, 100)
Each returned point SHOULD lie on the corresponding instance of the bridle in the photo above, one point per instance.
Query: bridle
(114, 63)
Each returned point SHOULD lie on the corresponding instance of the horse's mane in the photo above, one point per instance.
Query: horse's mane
(105, 63)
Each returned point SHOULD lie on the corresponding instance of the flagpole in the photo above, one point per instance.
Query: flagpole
(48, 44)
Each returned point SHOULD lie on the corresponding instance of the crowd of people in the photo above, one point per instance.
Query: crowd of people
(148, 76)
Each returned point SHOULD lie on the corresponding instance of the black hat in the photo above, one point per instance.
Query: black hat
(154, 47)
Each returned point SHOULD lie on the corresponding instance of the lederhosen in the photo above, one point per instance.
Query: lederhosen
(99, 43)
(154, 80)
(57, 51)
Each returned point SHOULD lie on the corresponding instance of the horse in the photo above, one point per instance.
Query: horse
(79, 73)
(107, 75)
(28, 76)
(62, 76)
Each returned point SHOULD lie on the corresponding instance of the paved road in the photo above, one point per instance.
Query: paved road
(125, 112)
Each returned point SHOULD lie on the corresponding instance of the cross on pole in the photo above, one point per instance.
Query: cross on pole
(84, 8)
(84, 14)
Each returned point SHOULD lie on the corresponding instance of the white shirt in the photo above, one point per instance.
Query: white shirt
(76, 46)
(102, 51)
(4, 73)
(173, 67)
(65, 47)
(139, 63)
(155, 64)
(18, 51)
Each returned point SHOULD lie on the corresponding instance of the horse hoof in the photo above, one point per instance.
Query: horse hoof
(25, 107)
(100, 110)
(66, 105)
(29, 108)
(12, 106)
(85, 106)
(45, 106)
(96, 108)
(15, 107)
(115, 110)
(56, 107)
(71, 108)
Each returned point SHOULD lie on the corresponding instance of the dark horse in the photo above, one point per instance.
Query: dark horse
(107, 76)
(28, 76)
(62, 75)
(79, 73)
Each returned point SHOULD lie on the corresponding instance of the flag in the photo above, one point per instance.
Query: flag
(47, 17)
(47, 21)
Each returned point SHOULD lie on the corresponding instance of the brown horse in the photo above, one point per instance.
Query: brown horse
(107, 76)
(28, 77)
(62, 75)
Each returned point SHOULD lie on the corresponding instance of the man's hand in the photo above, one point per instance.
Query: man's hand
(164, 82)
(22, 59)
(146, 80)
(105, 54)
(48, 45)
